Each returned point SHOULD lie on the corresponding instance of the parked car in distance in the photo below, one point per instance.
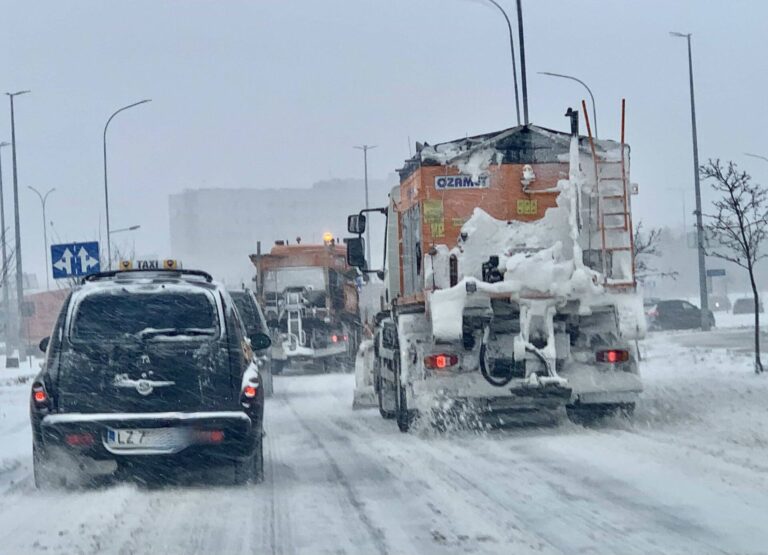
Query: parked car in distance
(255, 323)
(148, 372)
(746, 305)
(719, 303)
(677, 315)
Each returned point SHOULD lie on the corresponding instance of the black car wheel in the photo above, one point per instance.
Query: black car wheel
(252, 468)
(46, 477)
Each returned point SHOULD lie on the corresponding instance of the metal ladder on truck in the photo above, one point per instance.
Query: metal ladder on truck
(614, 216)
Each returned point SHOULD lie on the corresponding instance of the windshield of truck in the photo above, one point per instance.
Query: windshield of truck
(277, 281)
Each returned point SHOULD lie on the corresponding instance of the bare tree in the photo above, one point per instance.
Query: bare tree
(739, 225)
(647, 245)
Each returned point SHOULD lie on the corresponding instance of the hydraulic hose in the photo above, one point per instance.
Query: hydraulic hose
(501, 382)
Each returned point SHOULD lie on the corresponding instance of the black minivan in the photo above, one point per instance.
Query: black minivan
(255, 323)
(144, 369)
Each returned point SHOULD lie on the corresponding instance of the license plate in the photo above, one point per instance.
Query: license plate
(162, 439)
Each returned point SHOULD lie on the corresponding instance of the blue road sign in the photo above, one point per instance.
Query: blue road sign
(75, 259)
(717, 272)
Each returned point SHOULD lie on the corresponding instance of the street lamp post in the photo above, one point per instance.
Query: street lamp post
(43, 199)
(589, 91)
(6, 294)
(17, 253)
(514, 61)
(365, 149)
(699, 225)
(106, 187)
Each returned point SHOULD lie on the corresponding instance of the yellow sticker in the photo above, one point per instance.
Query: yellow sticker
(527, 207)
(433, 211)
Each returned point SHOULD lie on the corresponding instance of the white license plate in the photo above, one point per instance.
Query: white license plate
(164, 439)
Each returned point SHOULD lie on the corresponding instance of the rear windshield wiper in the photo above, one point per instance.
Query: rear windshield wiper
(174, 332)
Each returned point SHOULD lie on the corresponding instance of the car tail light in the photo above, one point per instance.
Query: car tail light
(334, 338)
(79, 440)
(40, 395)
(440, 361)
(210, 436)
(250, 391)
(613, 356)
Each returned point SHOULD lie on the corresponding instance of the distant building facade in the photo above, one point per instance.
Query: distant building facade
(216, 229)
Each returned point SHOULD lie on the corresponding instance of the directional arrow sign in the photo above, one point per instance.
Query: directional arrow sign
(75, 259)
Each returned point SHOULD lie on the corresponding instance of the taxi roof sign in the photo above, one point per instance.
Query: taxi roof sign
(126, 265)
(170, 264)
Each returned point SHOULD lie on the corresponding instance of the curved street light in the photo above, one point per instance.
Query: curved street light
(756, 156)
(512, 51)
(589, 91)
(43, 199)
(106, 187)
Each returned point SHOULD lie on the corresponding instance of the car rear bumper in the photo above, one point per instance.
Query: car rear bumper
(236, 434)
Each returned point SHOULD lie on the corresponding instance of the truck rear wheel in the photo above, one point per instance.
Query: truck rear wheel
(386, 396)
(405, 416)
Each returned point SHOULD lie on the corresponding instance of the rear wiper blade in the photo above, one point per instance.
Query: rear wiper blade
(173, 332)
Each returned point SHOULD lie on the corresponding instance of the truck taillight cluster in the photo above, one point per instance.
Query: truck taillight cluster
(440, 361)
(336, 338)
(613, 356)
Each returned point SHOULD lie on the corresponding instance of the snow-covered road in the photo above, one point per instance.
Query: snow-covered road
(689, 475)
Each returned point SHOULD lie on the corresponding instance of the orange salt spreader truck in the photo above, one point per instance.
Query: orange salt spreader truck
(309, 297)
(510, 291)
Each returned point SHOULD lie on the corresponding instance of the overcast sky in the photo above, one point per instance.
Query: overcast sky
(274, 93)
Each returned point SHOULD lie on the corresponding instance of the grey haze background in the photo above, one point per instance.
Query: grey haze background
(274, 93)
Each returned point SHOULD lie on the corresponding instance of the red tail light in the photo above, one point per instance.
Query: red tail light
(613, 356)
(210, 436)
(440, 361)
(39, 395)
(250, 391)
(335, 338)
(79, 440)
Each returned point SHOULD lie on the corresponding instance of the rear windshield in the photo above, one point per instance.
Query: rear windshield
(111, 316)
(247, 310)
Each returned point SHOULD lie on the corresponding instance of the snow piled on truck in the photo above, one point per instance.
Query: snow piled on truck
(540, 259)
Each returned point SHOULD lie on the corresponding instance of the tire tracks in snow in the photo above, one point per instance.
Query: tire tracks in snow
(377, 536)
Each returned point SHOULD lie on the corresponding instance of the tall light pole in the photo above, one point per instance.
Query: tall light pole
(699, 225)
(106, 186)
(17, 253)
(523, 79)
(583, 84)
(6, 294)
(43, 199)
(365, 149)
(514, 61)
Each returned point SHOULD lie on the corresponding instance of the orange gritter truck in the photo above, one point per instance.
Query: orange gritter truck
(510, 291)
(309, 297)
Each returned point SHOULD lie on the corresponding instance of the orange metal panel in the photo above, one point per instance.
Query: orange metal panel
(445, 211)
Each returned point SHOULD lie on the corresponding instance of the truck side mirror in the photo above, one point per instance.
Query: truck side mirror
(356, 224)
(356, 252)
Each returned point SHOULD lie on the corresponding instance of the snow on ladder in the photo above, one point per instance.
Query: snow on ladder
(614, 218)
